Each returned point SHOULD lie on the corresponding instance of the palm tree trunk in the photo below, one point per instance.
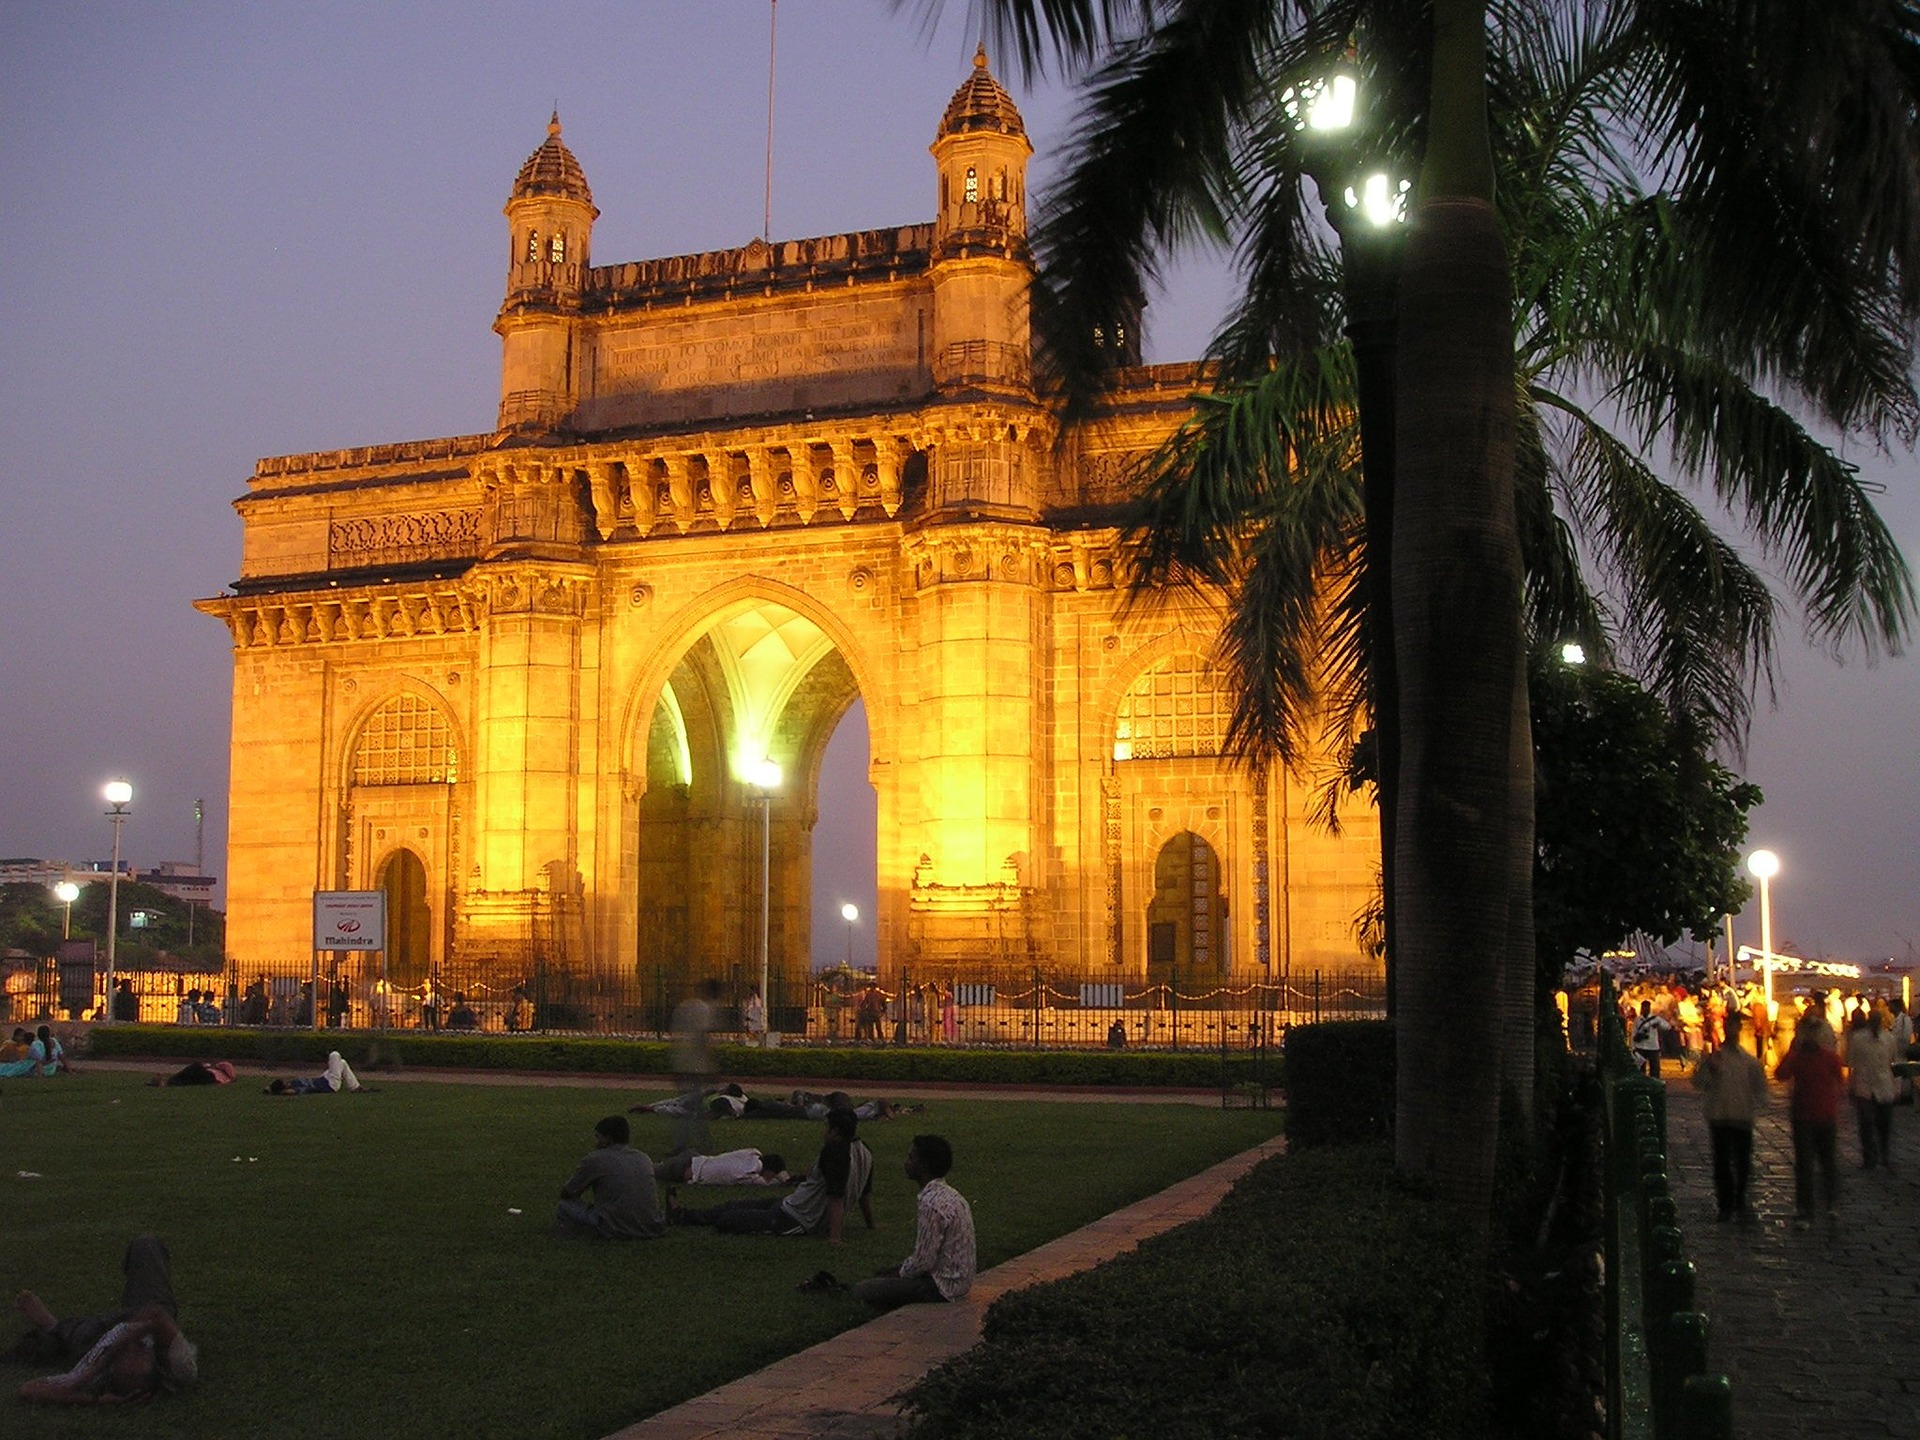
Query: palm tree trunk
(1456, 594)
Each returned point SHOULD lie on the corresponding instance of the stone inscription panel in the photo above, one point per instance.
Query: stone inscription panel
(815, 338)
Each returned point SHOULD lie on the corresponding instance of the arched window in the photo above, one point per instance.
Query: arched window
(970, 192)
(533, 247)
(1179, 707)
(557, 252)
(407, 741)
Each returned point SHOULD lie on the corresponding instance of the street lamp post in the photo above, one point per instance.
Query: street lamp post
(1763, 865)
(765, 777)
(849, 913)
(66, 892)
(119, 795)
(1366, 205)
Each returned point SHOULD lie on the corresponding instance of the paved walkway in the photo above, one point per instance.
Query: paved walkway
(848, 1386)
(1820, 1332)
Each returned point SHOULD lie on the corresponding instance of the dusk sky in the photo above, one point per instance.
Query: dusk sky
(240, 230)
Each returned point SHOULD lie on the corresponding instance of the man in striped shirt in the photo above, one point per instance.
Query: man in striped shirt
(942, 1263)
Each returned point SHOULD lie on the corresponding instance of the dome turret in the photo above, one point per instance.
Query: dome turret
(552, 171)
(981, 104)
(550, 217)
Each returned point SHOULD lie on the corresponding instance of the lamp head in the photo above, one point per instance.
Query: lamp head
(1380, 199)
(764, 774)
(1573, 653)
(849, 913)
(118, 792)
(1763, 864)
(66, 892)
(1326, 103)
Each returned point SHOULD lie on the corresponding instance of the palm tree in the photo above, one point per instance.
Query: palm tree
(1779, 145)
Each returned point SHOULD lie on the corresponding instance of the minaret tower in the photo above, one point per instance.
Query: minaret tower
(982, 270)
(550, 219)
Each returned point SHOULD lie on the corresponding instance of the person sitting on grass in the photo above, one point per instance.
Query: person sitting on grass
(198, 1072)
(49, 1054)
(129, 1354)
(625, 1204)
(843, 1172)
(941, 1266)
(16, 1055)
(730, 1167)
(338, 1080)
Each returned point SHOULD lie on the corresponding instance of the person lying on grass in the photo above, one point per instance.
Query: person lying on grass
(625, 1203)
(338, 1080)
(129, 1354)
(730, 1167)
(198, 1072)
(843, 1171)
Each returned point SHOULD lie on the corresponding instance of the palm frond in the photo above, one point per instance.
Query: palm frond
(1803, 505)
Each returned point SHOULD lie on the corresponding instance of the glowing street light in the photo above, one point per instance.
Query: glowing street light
(764, 776)
(1763, 865)
(849, 913)
(119, 794)
(66, 892)
(1573, 653)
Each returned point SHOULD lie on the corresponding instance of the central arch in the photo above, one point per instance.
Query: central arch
(757, 679)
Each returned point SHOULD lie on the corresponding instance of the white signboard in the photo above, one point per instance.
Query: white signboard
(349, 919)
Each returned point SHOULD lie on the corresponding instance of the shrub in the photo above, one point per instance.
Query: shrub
(1340, 1078)
(1321, 1299)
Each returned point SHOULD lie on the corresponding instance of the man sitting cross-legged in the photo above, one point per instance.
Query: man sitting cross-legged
(625, 1204)
(843, 1172)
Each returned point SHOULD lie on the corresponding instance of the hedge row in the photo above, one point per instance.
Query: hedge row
(1128, 1068)
(1321, 1299)
(1340, 1078)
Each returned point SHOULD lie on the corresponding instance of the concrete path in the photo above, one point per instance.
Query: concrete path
(1819, 1332)
(848, 1386)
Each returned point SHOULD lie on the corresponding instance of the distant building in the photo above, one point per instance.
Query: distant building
(177, 878)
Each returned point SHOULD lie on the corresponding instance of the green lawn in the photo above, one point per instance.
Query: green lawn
(351, 1265)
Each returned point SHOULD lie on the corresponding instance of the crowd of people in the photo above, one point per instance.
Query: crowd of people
(1834, 1051)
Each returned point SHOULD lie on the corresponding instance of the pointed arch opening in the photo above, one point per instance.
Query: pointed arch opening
(1186, 931)
(403, 876)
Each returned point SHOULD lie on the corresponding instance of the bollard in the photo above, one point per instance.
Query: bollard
(1677, 1348)
(1672, 1288)
(1706, 1408)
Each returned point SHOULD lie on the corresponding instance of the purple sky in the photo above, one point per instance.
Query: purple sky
(240, 230)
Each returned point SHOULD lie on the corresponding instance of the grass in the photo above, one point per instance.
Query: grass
(351, 1266)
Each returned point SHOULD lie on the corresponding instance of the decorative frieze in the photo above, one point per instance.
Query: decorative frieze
(367, 541)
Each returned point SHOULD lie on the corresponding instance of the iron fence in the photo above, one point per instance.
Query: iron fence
(1032, 1007)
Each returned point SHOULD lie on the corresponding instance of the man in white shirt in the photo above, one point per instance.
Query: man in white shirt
(730, 1167)
(941, 1266)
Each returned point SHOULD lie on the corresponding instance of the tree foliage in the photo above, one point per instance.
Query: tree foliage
(1637, 827)
(31, 919)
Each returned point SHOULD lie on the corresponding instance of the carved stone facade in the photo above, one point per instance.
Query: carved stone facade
(519, 679)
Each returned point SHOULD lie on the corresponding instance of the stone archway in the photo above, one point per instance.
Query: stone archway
(409, 917)
(1186, 934)
(758, 681)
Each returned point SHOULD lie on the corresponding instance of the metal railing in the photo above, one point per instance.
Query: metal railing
(1034, 1008)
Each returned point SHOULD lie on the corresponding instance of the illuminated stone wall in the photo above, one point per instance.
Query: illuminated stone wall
(729, 495)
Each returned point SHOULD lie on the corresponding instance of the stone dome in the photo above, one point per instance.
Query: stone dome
(981, 104)
(552, 170)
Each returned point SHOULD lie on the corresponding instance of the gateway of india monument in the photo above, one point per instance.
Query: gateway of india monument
(526, 682)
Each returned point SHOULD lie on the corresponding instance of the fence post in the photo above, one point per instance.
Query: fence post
(1173, 1003)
